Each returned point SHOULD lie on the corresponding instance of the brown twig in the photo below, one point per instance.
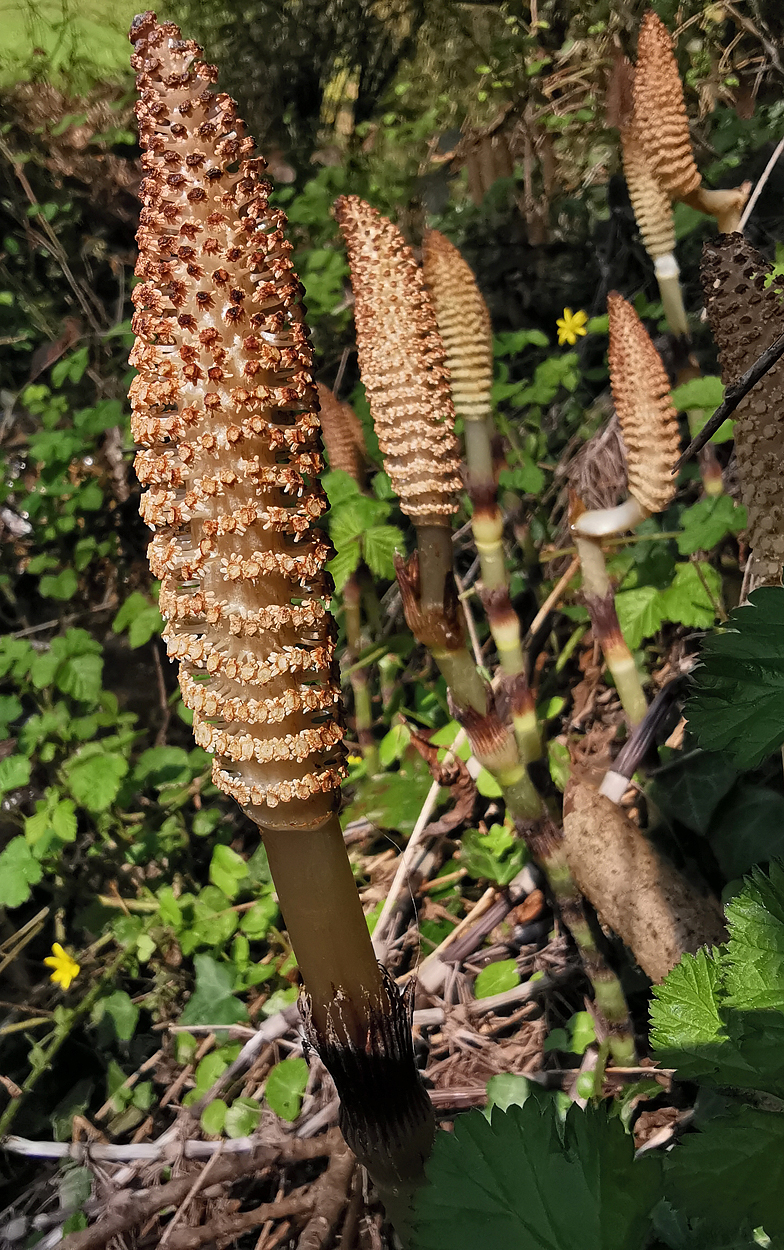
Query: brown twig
(329, 1198)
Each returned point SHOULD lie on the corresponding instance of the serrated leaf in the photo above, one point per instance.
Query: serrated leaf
(493, 856)
(80, 676)
(737, 702)
(212, 1002)
(379, 544)
(342, 565)
(692, 597)
(708, 521)
(685, 1011)
(755, 952)
(732, 1172)
(19, 870)
(14, 772)
(94, 780)
(523, 1182)
(144, 626)
(285, 1087)
(639, 614)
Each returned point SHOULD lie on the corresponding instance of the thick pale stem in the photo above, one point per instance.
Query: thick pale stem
(327, 927)
(434, 543)
(668, 277)
(601, 608)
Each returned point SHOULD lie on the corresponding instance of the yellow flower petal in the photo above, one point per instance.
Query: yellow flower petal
(570, 325)
(65, 968)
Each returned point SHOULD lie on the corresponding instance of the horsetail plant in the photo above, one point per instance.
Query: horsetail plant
(649, 426)
(402, 361)
(464, 325)
(746, 312)
(225, 410)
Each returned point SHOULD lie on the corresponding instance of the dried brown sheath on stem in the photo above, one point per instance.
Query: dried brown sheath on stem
(746, 317)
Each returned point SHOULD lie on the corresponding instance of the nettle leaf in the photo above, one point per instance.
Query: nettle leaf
(755, 952)
(738, 689)
(639, 614)
(708, 521)
(19, 870)
(493, 856)
(344, 564)
(685, 1012)
(80, 676)
(285, 1087)
(732, 1171)
(212, 1002)
(526, 1182)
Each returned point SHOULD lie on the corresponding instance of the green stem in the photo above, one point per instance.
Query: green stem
(434, 543)
(607, 630)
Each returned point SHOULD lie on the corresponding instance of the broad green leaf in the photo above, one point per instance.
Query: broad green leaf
(708, 521)
(507, 1089)
(242, 1118)
(755, 952)
(690, 789)
(213, 1117)
(14, 772)
(163, 766)
(144, 626)
(685, 1012)
(493, 856)
(704, 392)
(732, 1172)
(94, 780)
(526, 477)
(258, 918)
(131, 607)
(737, 702)
(10, 709)
(19, 870)
(212, 1002)
(285, 1087)
(497, 978)
(344, 564)
(123, 1013)
(379, 544)
(748, 829)
(80, 676)
(227, 870)
(526, 1182)
(63, 586)
(692, 597)
(639, 614)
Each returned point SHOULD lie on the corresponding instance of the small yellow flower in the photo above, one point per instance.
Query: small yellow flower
(570, 325)
(354, 759)
(65, 968)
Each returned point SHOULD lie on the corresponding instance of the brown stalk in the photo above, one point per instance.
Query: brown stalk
(746, 313)
(464, 325)
(226, 410)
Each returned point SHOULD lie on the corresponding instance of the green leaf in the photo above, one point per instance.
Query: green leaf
(163, 766)
(94, 780)
(212, 1002)
(497, 978)
(242, 1117)
(63, 586)
(132, 607)
(691, 599)
(732, 1171)
(344, 564)
(639, 614)
(19, 870)
(704, 392)
(526, 477)
(285, 1087)
(213, 1117)
(80, 676)
(493, 856)
(708, 521)
(10, 709)
(379, 544)
(755, 952)
(227, 870)
(14, 772)
(690, 789)
(507, 1089)
(685, 1012)
(738, 689)
(144, 626)
(748, 829)
(258, 918)
(524, 1182)
(123, 1013)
